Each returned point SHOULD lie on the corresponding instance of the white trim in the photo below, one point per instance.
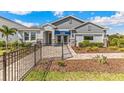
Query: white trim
(29, 29)
(87, 33)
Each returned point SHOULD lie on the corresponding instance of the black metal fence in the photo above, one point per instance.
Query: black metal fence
(17, 63)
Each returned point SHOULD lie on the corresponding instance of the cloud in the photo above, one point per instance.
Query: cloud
(58, 13)
(81, 11)
(117, 18)
(20, 12)
(28, 24)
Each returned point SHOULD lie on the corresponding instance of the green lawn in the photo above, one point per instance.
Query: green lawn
(66, 76)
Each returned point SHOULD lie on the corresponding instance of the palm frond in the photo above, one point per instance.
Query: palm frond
(13, 30)
(5, 27)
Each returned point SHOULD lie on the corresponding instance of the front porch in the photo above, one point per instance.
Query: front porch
(56, 37)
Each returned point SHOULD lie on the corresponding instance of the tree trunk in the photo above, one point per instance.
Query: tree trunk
(6, 43)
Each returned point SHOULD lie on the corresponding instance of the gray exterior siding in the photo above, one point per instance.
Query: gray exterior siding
(77, 28)
(93, 29)
(68, 23)
(9, 23)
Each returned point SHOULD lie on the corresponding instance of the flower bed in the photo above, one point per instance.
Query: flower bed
(78, 70)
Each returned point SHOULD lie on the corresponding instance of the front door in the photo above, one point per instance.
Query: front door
(64, 38)
(59, 39)
(50, 38)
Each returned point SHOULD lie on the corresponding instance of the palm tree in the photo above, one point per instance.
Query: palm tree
(6, 31)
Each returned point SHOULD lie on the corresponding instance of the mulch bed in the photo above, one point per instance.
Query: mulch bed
(100, 50)
(113, 66)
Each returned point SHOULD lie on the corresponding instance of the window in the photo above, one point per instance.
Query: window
(26, 35)
(33, 36)
(88, 37)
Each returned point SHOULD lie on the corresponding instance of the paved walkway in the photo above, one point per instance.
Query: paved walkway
(77, 56)
(55, 51)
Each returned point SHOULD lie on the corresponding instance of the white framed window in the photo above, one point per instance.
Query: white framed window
(33, 35)
(88, 37)
(26, 36)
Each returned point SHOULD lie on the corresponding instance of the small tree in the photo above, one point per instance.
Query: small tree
(6, 31)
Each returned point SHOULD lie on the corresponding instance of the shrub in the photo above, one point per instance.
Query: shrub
(113, 47)
(88, 49)
(80, 44)
(114, 42)
(93, 44)
(94, 48)
(26, 44)
(61, 63)
(84, 43)
(104, 59)
(121, 43)
(101, 59)
(121, 49)
(99, 44)
(15, 44)
(2, 43)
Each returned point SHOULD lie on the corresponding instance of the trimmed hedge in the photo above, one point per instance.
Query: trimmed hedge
(28, 44)
(86, 43)
(96, 44)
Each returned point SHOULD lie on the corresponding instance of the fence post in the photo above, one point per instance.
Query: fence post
(62, 52)
(4, 66)
(34, 55)
(40, 51)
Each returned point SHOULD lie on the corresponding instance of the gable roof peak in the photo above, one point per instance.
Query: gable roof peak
(69, 16)
(47, 24)
(92, 24)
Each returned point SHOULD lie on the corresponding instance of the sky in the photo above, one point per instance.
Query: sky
(113, 20)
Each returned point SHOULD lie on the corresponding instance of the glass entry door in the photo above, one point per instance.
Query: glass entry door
(64, 38)
(59, 39)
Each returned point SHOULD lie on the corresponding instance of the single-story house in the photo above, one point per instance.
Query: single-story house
(69, 29)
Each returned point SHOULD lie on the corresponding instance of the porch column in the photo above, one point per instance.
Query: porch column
(53, 37)
(72, 40)
(42, 36)
(105, 40)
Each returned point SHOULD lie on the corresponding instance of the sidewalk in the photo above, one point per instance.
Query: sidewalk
(77, 56)
(91, 55)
